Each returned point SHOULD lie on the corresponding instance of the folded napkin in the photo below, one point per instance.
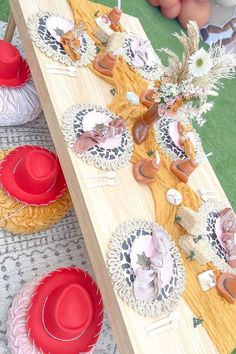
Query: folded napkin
(99, 134)
(71, 41)
(148, 280)
(142, 53)
(146, 284)
(228, 221)
(228, 228)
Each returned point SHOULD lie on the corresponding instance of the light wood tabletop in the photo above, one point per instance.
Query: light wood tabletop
(100, 211)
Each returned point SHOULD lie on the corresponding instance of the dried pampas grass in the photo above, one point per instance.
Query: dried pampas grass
(223, 67)
(178, 68)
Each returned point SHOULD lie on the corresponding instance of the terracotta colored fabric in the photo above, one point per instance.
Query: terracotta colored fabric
(219, 316)
(71, 45)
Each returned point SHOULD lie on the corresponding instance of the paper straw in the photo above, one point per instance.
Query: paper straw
(209, 154)
(203, 158)
(119, 4)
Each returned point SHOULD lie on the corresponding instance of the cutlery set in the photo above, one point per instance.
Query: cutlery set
(207, 194)
(62, 70)
(172, 321)
(105, 179)
(205, 157)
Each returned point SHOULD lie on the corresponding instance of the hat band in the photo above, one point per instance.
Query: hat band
(50, 334)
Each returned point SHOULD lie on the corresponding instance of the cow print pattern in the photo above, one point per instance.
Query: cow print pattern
(212, 237)
(107, 154)
(129, 275)
(52, 42)
(165, 140)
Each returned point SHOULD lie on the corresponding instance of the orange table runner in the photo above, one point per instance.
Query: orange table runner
(218, 315)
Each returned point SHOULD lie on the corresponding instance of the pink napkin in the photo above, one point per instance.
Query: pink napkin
(145, 284)
(228, 221)
(100, 130)
(87, 140)
(150, 280)
(142, 53)
(218, 231)
(228, 228)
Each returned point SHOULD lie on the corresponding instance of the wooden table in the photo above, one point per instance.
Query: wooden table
(100, 211)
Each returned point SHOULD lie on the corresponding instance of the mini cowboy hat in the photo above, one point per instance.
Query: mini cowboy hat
(14, 70)
(66, 313)
(33, 193)
(32, 175)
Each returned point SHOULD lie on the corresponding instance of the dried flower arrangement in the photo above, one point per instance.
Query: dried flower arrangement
(190, 80)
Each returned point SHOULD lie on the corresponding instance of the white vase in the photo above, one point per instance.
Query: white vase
(226, 3)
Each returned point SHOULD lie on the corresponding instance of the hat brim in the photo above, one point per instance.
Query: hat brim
(36, 331)
(8, 182)
(21, 79)
(137, 173)
(16, 331)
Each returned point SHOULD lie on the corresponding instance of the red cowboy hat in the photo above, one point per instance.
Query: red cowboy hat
(32, 175)
(14, 71)
(66, 312)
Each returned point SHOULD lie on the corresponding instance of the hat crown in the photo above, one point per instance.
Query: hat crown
(40, 164)
(73, 310)
(68, 311)
(37, 171)
(10, 61)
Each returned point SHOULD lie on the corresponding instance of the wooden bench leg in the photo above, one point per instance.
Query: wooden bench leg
(11, 25)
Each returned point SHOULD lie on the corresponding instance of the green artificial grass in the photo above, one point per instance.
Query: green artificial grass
(4, 10)
(218, 134)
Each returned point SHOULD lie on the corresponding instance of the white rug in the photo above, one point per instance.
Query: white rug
(24, 257)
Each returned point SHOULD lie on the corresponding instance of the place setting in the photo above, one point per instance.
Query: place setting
(168, 135)
(146, 268)
(62, 40)
(210, 234)
(138, 52)
(97, 136)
